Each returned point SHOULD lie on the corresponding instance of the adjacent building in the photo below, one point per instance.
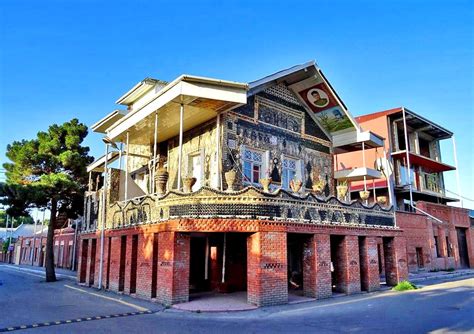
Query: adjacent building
(214, 185)
(439, 236)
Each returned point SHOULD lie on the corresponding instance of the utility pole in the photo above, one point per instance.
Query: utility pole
(33, 248)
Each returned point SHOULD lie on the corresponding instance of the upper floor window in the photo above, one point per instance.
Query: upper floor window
(291, 169)
(253, 162)
(196, 167)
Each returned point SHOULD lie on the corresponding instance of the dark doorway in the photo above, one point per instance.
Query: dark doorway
(92, 264)
(154, 266)
(83, 269)
(419, 258)
(133, 266)
(123, 255)
(337, 275)
(207, 256)
(462, 246)
(363, 263)
(295, 248)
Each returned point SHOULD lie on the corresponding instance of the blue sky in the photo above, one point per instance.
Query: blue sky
(65, 59)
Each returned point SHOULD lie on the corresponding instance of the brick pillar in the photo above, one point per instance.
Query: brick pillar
(396, 269)
(349, 265)
(317, 267)
(267, 277)
(369, 264)
(128, 264)
(97, 263)
(82, 264)
(114, 264)
(88, 268)
(173, 268)
(144, 264)
(106, 260)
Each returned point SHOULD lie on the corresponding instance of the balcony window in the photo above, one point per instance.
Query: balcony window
(254, 162)
(291, 169)
(196, 167)
(405, 176)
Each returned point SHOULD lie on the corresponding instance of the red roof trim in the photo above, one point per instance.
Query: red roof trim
(369, 117)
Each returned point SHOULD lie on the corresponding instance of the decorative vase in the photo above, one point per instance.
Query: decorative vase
(230, 179)
(341, 192)
(188, 183)
(364, 195)
(265, 182)
(318, 187)
(295, 185)
(382, 200)
(161, 179)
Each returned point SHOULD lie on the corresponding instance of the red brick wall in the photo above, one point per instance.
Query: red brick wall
(173, 268)
(267, 276)
(369, 264)
(350, 264)
(317, 267)
(396, 268)
(419, 231)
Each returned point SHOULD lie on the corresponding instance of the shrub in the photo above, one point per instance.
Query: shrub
(404, 285)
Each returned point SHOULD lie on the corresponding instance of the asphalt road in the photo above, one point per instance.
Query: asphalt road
(27, 300)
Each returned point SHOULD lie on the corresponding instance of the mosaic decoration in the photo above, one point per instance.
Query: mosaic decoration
(248, 203)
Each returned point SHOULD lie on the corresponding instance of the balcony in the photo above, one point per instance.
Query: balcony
(249, 203)
(420, 160)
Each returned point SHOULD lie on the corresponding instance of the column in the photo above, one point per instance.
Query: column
(82, 265)
(369, 264)
(396, 269)
(349, 264)
(128, 263)
(173, 268)
(114, 264)
(317, 267)
(145, 264)
(267, 277)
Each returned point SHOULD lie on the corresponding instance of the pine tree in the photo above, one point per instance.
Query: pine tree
(48, 171)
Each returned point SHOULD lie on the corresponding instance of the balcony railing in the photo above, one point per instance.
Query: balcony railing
(248, 203)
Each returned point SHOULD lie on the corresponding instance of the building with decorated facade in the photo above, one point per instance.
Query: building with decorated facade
(214, 185)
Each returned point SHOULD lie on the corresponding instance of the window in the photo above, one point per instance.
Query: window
(196, 167)
(253, 162)
(288, 172)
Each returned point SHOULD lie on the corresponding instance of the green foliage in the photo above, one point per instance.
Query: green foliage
(6, 243)
(404, 285)
(51, 167)
(18, 220)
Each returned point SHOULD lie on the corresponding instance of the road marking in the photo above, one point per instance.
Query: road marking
(70, 321)
(108, 298)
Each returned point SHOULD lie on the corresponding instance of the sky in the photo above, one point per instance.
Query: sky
(65, 59)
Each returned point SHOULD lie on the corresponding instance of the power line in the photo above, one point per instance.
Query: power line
(463, 197)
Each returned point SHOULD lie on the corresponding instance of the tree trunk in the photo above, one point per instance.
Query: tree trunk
(49, 264)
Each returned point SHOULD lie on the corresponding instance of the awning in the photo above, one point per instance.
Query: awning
(420, 160)
(102, 125)
(202, 99)
(357, 174)
(352, 141)
(98, 165)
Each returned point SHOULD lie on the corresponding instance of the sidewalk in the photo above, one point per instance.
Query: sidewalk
(60, 273)
(423, 276)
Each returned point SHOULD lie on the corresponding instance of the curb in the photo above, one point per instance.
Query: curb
(443, 276)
